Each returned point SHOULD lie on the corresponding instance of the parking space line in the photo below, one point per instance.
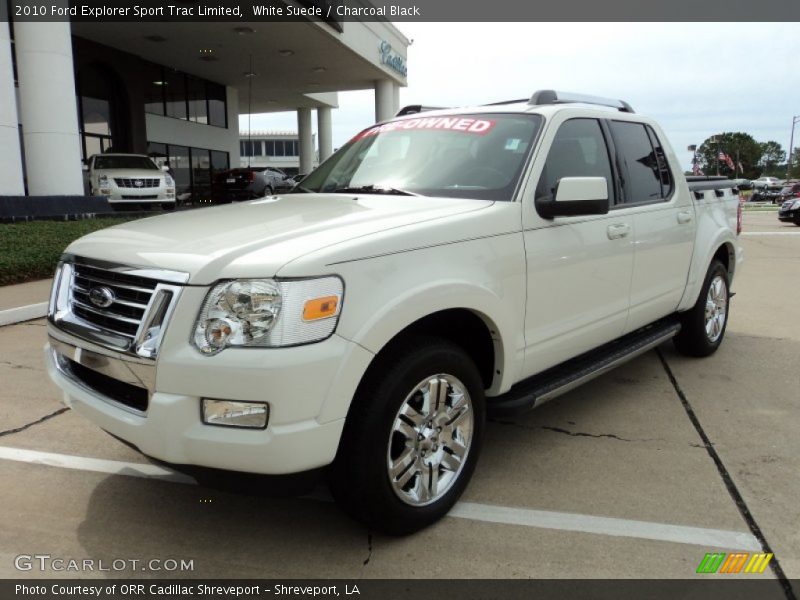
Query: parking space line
(23, 313)
(770, 233)
(663, 532)
(97, 465)
(473, 511)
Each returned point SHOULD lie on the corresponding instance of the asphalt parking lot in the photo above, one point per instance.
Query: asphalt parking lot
(613, 480)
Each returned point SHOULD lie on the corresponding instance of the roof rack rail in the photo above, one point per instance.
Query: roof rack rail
(412, 109)
(501, 103)
(541, 97)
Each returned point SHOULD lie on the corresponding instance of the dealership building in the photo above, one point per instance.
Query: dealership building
(175, 91)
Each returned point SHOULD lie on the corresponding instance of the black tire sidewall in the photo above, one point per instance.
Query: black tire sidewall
(692, 338)
(364, 489)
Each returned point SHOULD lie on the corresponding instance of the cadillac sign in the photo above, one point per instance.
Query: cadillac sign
(393, 60)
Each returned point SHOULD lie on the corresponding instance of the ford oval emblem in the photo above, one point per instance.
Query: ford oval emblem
(138, 183)
(101, 297)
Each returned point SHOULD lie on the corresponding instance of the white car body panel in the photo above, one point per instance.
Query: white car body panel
(546, 290)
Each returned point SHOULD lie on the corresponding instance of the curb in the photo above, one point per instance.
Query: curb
(23, 313)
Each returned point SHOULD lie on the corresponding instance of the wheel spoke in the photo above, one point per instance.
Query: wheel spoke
(458, 447)
(451, 462)
(401, 481)
(402, 463)
(437, 395)
(411, 414)
(403, 428)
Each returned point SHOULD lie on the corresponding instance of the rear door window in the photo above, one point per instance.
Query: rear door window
(644, 170)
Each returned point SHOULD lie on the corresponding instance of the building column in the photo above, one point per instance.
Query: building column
(306, 138)
(386, 100)
(325, 132)
(11, 183)
(48, 108)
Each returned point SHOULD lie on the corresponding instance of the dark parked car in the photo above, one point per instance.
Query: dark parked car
(789, 191)
(246, 183)
(789, 211)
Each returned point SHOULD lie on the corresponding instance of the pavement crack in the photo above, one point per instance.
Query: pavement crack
(736, 496)
(592, 435)
(32, 423)
(571, 433)
(369, 548)
(8, 363)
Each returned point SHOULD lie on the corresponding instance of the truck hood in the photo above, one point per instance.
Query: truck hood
(255, 239)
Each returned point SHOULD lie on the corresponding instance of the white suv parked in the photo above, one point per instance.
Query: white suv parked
(127, 179)
(440, 266)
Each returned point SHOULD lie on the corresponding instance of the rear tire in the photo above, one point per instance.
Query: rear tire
(703, 326)
(412, 436)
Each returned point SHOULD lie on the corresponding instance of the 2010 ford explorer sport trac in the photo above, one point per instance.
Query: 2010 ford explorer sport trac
(440, 266)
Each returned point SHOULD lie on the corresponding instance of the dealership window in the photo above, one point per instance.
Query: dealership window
(175, 94)
(180, 168)
(250, 148)
(201, 175)
(219, 161)
(153, 84)
(170, 93)
(217, 105)
(198, 107)
(192, 168)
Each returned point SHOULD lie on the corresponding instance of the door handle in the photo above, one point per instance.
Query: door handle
(618, 230)
(684, 217)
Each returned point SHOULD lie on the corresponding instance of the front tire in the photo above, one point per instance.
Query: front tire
(412, 437)
(703, 326)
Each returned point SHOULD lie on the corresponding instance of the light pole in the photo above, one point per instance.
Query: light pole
(795, 121)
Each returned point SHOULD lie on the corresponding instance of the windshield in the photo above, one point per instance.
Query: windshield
(124, 162)
(461, 156)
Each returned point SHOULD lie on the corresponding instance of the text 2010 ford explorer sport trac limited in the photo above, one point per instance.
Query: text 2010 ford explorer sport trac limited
(439, 266)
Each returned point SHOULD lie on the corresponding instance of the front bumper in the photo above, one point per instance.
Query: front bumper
(307, 387)
(789, 215)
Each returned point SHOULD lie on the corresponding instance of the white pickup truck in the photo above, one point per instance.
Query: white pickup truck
(440, 266)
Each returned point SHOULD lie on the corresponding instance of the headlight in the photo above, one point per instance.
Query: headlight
(268, 313)
(102, 181)
(795, 204)
(169, 181)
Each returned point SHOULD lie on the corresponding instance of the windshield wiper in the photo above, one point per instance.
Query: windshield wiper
(374, 189)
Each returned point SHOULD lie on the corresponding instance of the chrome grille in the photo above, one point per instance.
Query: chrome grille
(131, 296)
(787, 205)
(136, 182)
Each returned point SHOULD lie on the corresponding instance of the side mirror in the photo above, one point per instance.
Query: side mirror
(165, 168)
(85, 167)
(575, 196)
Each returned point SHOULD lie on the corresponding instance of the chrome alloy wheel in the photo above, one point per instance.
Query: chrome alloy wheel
(716, 308)
(430, 440)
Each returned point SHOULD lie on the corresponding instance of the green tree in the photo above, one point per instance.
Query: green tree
(741, 147)
(794, 172)
(772, 154)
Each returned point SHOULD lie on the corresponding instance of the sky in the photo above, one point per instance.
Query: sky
(695, 79)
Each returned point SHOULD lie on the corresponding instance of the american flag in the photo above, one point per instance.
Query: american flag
(727, 160)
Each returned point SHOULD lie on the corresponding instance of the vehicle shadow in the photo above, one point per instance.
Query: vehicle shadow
(231, 535)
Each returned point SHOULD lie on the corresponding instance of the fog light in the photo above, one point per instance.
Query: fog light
(227, 413)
